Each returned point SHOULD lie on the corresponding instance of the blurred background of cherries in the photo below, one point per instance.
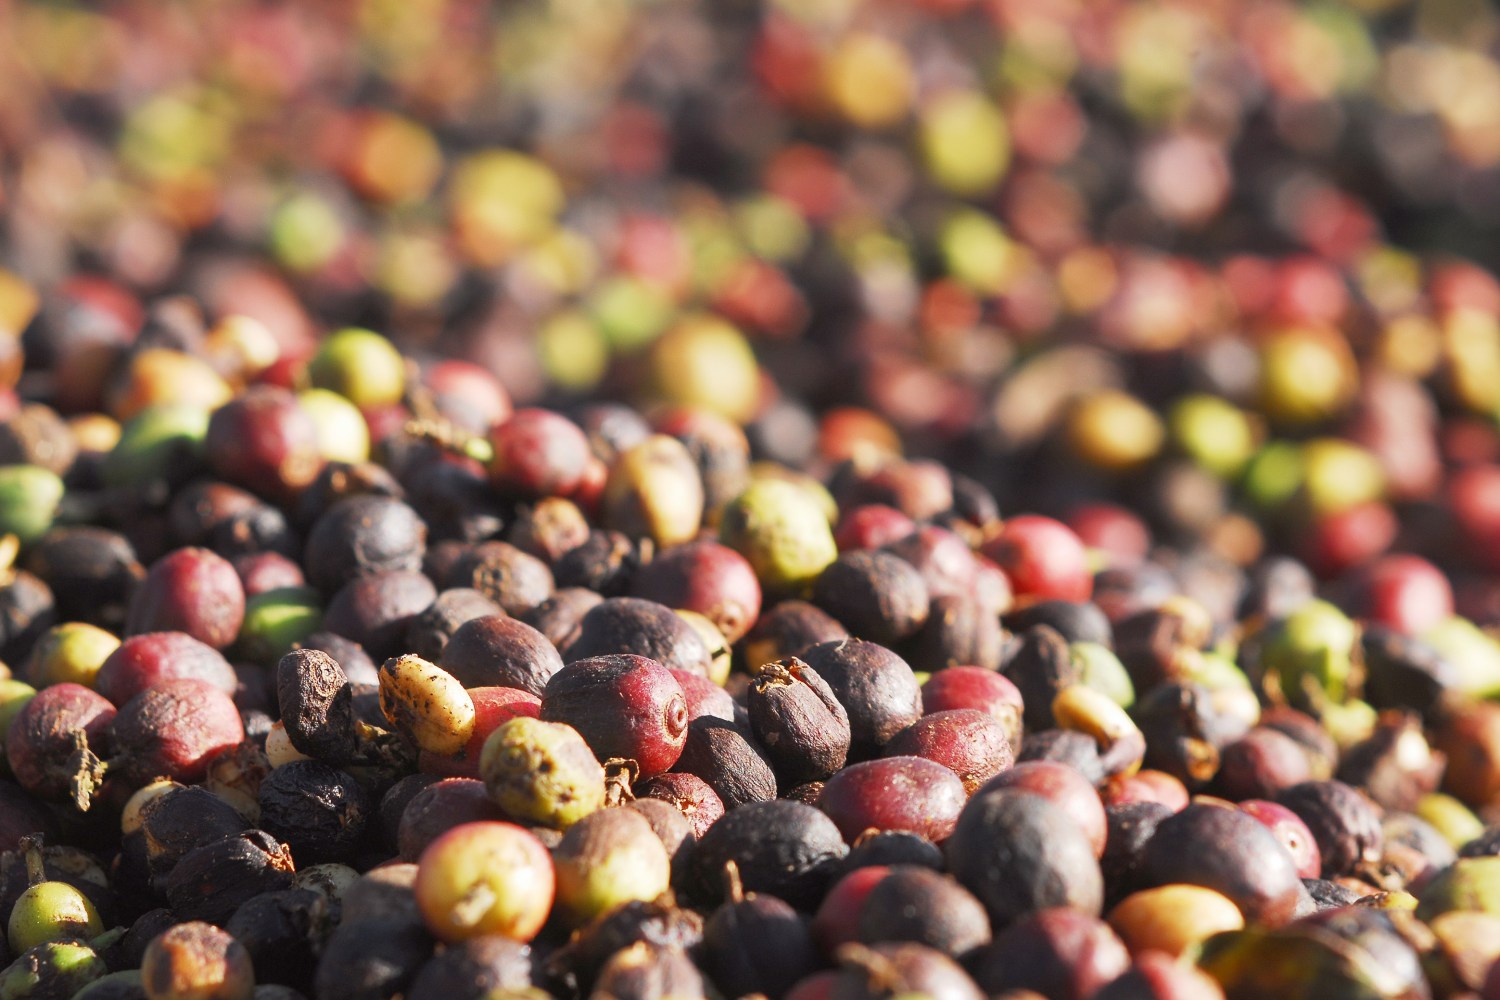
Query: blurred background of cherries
(1211, 275)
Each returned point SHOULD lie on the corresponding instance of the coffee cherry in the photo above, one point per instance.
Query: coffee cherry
(484, 878)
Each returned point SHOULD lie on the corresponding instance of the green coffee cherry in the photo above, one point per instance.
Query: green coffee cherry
(1213, 432)
(1450, 817)
(1099, 668)
(1469, 884)
(51, 911)
(52, 970)
(1473, 653)
(275, 620)
(29, 498)
(1309, 654)
(14, 695)
(778, 527)
(343, 435)
(71, 652)
(154, 443)
(542, 771)
(360, 365)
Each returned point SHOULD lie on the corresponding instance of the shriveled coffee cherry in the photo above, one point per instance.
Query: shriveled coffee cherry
(894, 793)
(360, 535)
(497, 650)
(538, 453)
(147, 659)
(485, 878)
(264, 441)
(1230, 852)
(960, 631)
(787, 628)
(757, 944)
(644, 971)
(57, 739)
(426, 704)
(172, 730)
(197, 961)
(92, 572)
(558, 617)
(688, 794)
(318, 809)
(516, 581)
(438, 808)
(703, 576)
(917, 904)
(493, 708)
(479, 966)
(180, 818)
(190, 590)
(608, 858)
(1058, 953)
(785, 849)
(624, 705)
(283, 932)
(542, 772)
(970, 743)
(796, 718)
(1293, 834)
(877, 596)
(317, 705)
(1020, 853)
(727, 760)
(876, 687)
(1343, 821)
(428, 633)
(893, 847)
(644, 628)
(211, 881)
(371, 958)
(375, 610)
(1260, 764)
(870, 971)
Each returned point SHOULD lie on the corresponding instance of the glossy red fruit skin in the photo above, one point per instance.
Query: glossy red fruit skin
(1111, 529)
(538, 453)
(493, 707)
(190, 590)
(837, 920)
(40, 738)
(871, 526)
(1338, 542)
(894, 793)
(1042, 558)
(264, 441)
(1145, 786)
(1405, 592)
(263, 571)
(142, 661)
(172, 730)
(1064, 786)
(704, 576)
(624, 706)
(704, 697)
(972, 744)
(1289, 829)
(972, 687)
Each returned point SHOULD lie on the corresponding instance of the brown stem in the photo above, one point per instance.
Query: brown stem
(36, 860)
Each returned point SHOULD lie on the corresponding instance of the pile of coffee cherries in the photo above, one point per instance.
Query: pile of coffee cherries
(830, 500)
